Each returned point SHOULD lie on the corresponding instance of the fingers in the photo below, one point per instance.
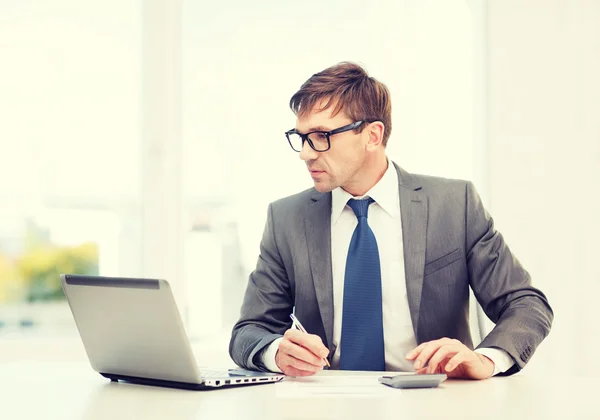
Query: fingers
(428, 350)
(311, 342)
(446, 355)
(425, 351)
(443, 353)
(298, 357)
(415, 352)
(291, 366)
(294, 367)
(455, 361)
(299, 354)
(481, 366)
(421, 371)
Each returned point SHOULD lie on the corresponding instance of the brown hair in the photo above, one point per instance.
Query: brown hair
(349, 87)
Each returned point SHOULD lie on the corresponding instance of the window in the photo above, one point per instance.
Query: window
(69, 178)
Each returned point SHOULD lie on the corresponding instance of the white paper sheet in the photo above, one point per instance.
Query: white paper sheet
(331, 386)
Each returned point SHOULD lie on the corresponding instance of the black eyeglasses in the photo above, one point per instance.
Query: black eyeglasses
(318, 140)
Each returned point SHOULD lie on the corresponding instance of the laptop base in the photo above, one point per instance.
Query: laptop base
(174, 384)
(156, 382)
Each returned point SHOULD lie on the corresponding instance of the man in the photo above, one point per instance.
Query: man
(377, 263)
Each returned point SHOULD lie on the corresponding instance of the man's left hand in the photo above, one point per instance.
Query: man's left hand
(451, 357)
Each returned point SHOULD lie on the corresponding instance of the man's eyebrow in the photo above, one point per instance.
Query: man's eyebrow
(316, 128)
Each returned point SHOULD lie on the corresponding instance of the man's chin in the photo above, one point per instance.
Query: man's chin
(323, 188)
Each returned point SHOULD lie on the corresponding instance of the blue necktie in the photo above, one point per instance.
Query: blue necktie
(362, 320)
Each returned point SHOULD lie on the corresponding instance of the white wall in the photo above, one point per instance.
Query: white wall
(543, 159)
(242, 65)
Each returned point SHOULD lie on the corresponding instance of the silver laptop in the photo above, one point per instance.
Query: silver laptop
(132, 331)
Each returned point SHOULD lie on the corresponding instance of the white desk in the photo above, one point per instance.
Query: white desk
(51, 390)
(61, 389)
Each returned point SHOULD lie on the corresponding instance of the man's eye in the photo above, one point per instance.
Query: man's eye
(318, 137)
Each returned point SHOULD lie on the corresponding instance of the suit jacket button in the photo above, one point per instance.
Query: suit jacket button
(523, 358)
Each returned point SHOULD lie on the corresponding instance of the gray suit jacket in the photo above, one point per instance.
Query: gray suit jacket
(449, 244)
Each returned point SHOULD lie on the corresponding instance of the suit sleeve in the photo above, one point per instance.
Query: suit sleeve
(503, 288)
(266, 306)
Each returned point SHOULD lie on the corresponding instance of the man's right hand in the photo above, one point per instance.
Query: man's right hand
(300, 354)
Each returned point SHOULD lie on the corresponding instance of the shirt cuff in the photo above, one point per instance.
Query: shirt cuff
(268, 356)
(502, 360)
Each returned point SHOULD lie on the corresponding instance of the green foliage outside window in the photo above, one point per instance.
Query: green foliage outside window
(34, 275)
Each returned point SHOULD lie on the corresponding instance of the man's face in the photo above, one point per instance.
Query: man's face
(338, 166)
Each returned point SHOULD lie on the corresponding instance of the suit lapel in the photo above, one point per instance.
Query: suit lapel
(317, 223)
(413, 207)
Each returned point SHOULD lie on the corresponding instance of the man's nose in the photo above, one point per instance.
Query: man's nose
(307, 153)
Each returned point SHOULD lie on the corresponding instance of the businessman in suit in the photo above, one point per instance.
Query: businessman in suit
(377, 262)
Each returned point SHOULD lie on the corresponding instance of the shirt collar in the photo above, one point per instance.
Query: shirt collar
(385, 193)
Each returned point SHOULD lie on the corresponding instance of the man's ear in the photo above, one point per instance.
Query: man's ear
(375, 131)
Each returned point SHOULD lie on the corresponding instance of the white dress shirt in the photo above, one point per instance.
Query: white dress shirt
(386, 224)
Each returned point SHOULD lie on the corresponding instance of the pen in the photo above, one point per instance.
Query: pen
(296, 323)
